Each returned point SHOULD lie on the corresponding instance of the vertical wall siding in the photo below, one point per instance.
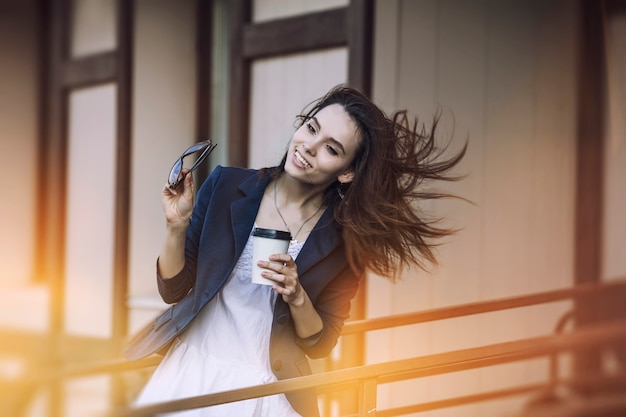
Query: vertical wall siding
(18, 141)
(164, 122)
(503, 74)
(614, 262)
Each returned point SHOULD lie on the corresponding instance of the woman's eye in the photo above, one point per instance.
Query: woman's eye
(332, 150)
(311, 128)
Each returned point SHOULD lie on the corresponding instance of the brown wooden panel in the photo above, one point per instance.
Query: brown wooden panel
(51, 190)
(123, 77)
(616, 7)
(45, 81)
(590, 165)
(97, 69)
(360, 30)
(296, 34)
(239, 97)
(204, 65)
(591, 112)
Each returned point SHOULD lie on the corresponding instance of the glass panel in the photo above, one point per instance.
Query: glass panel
(93, 27)
(281, 88)
(90, 211)
(274, 9)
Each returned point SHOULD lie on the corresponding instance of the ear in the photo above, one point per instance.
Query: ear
(346, 177)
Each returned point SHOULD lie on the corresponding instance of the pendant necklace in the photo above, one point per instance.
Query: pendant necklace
(293, 237)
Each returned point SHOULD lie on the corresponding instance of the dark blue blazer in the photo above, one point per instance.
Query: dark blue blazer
(223, 217)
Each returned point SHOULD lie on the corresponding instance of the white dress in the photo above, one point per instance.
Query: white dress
(225, 347)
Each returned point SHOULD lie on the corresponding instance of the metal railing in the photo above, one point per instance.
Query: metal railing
(366, 379)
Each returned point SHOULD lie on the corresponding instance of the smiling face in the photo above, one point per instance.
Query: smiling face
(323, 148)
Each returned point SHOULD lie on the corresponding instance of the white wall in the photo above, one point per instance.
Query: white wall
(614, 263)
(18, 140)
(25, 304)
(163, 126)
(502, 72)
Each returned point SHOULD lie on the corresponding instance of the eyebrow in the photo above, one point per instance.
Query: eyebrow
(333, 140)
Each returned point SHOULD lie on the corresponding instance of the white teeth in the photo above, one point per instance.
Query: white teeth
(302, 160)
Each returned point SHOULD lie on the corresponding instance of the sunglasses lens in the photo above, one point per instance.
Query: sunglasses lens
(175, 171)
(195, 148)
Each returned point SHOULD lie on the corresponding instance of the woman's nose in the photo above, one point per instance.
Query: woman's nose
(308, 148)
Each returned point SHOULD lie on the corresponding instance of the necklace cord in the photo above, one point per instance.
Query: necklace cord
(293, 237)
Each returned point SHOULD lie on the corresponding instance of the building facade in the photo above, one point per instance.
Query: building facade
(99, 97)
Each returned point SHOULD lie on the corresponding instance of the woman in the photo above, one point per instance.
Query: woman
(345, 190)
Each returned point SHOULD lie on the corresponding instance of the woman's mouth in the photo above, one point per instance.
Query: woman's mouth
(301, 160)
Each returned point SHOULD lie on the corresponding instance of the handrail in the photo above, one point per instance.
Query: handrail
(546, 390)
(104, 367)
(386, 372)
(20, 391)
(352, 327)
(593, 407)
(379, 323)
(478, 307)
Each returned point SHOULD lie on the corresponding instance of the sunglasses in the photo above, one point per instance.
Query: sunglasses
(175, 177)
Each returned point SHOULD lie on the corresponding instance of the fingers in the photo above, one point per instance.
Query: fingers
(281, 264)
(283, 258)
(178, 202)
(276, 271)
(185, 184)
(283, 270)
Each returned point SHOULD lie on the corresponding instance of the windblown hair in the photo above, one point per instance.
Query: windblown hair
(383, 226)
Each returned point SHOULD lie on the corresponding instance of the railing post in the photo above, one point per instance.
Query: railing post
(367, 397)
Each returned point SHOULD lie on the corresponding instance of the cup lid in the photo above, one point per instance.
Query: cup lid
(271, 233)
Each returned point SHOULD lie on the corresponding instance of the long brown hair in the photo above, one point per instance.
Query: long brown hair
(383, 227)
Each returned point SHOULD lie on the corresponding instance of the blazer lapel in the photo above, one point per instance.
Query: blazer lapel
(243, 211)
(324, 238)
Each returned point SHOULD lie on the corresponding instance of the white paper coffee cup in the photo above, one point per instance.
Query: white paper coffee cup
(266, 242)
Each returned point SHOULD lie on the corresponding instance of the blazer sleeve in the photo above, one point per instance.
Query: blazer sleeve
(333, 306)
(174, 289)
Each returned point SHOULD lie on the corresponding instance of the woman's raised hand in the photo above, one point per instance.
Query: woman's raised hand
(178, 202)
(283, 270)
